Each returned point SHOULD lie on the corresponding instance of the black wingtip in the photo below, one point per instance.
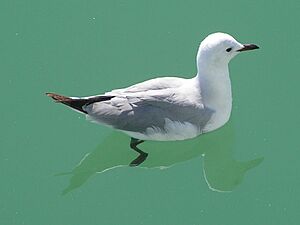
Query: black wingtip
(77, 103)
(58, 98)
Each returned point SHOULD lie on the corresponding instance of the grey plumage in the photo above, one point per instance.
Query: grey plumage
(139, 114)
(148, 104)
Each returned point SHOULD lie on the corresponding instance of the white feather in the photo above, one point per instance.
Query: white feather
(173, 131)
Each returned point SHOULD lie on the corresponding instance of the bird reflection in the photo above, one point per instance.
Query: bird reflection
(221, 171)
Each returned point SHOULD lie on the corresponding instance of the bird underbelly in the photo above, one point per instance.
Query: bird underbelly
(172, 131)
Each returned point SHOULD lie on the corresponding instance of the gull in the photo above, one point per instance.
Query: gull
(169, 108)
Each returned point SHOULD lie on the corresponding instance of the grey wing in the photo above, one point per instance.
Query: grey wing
(161, 83)
(136, 114)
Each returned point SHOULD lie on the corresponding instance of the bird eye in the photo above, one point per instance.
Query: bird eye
(228, 49)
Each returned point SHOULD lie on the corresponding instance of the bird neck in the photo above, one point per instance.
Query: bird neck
(215, 87)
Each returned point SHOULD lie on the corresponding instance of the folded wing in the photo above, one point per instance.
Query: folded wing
(150, 104)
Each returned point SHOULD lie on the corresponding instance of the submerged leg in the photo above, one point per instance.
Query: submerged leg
(143, 155)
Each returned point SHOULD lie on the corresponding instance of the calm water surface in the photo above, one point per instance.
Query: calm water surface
(56, 167)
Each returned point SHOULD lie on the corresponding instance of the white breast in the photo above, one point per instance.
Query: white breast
(216, 95)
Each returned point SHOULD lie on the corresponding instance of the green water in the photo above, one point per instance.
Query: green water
(55, 166)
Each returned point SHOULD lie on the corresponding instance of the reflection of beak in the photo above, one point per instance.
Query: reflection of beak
(248, 47)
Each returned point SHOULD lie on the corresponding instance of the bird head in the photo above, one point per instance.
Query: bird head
(220, 48)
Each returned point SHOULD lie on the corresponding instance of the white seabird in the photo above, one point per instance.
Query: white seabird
(169, 108)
